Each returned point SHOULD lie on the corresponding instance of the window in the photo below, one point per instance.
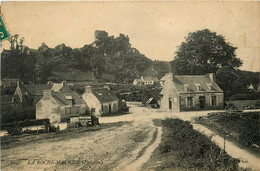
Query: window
(102, 108)
(210, 86)
(186, 87)
(198, 87)
(190, 101)
(213, 100)
(77, 110)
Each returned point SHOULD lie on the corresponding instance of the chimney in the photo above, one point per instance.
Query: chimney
(142, 77)
(212, 77)
(13, 99)
(18, 83)
(88, 89)
(107, 86)
(49, 82)
(47, 93)
(64, 83)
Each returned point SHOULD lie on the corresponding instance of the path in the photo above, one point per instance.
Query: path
(247, 159)
(125, 147)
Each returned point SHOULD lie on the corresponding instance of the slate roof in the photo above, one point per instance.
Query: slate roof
(8, 99)
(34, 90)
(59, 87)
(104, 95)
(9, 81)
(139, 80)
(149, 78)
(61, 99)
(166, 77)
(192, 80)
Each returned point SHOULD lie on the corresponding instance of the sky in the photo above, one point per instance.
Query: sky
(156, 29)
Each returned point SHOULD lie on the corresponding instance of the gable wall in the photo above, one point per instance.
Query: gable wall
(169, 92)
(48, 108)
(92, 102)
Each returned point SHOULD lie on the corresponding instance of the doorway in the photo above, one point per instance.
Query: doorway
(202, 100)
(109, 108)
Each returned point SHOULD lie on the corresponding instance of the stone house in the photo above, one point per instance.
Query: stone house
(191, 92)
(34, 92)
(59, 106)
(146, 81)
(100, 101)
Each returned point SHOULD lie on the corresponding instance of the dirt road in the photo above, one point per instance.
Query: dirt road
(124, 147)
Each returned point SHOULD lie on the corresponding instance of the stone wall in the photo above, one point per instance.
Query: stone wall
(196, 102)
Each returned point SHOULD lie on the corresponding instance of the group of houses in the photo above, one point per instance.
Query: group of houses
(146, 81)
(58, 103)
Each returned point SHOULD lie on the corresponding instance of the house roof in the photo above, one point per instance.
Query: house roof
(104, 95)
(9, 99)
(35, 90)
(9, 81)
(59, 87)
(149, 78)
(192, 80)
(168, 76)
(138, 80)
(61, 98)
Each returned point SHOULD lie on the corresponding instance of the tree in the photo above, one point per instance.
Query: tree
(44, 65)
(229, 81)
(203, 52)
(18, 62)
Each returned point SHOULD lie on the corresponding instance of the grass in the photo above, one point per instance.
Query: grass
(244, 103)
(183, 148)
(242, 128)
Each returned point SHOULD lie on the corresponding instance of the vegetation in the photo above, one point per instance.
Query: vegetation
(244, 127)
(204, 52)
(246, 96)
(108, 58)
(141, 94)
(27, 122)
(183, 148)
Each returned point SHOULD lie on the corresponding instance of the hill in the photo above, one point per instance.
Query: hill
(108, 58)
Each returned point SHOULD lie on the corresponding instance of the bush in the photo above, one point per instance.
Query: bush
(15, 130)
(246, 125)
(246, 96)
(25, 123)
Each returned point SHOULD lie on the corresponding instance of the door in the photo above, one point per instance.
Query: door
(93, 111)
(109, 108)
(202, 102)
(170, 103)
